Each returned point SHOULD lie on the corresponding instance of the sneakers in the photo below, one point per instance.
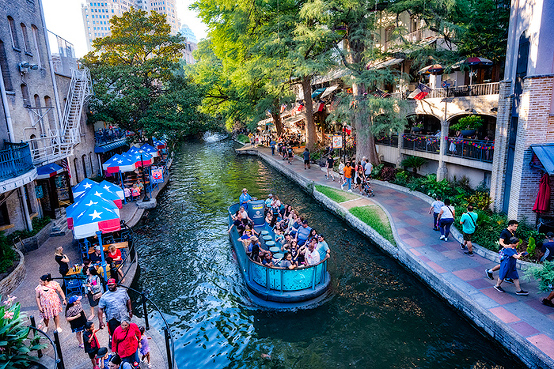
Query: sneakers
(462, 246)
(349, 190)
(509, 280)
(522, 293)
(342, 186)
(499, 288)
(469, 253)
(547, 302)
(446, 239)
(488, 272)
(441, 238)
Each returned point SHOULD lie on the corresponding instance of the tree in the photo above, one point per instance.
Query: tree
(136, 81)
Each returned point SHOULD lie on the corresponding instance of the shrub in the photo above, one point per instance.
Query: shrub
(376, 171)
(7, 253)
(414, 162)
(243, 138)
(544, 274)
(531, 247)
(38, 225)
(401, 178)
(479, 200)
(469, 122)
(388, 174)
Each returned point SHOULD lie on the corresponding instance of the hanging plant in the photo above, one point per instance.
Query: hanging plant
(468, 123)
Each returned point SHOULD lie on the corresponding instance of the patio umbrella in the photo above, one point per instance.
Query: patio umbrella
(139, 158)
(476, 61)
(133, 150)
(107, 194)
(113, 188)
(85, 185)
(118, 163)
(86, 200)
(48, 170)
(159, 144)
(432, 69)
(95, 217)
(542, 203)
(149, 149)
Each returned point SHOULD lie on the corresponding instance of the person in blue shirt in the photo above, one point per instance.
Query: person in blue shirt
(547, 248)
(303, 233)
(469, 224)
(508, 258)
(244, 198)
(272, 144)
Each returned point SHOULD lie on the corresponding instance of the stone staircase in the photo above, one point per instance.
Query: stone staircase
(60, 224)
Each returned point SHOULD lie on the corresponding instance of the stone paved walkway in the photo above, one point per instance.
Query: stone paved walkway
(522, 318)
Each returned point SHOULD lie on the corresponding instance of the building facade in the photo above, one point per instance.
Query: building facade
(97, 15)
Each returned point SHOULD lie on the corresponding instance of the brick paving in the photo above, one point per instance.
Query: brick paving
(524, 316)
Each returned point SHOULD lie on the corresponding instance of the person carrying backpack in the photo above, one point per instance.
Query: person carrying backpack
(469, 225)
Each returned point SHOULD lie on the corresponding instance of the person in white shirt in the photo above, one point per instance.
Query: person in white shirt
(446, 218)
(436, 209)
(368, 168)
(312, 255)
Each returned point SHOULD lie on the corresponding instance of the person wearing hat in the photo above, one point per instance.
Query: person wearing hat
(116, 304)
(547, 249)
(244, 198)
(268, 201)
(102, 357)
(96, 256)
(75, 315)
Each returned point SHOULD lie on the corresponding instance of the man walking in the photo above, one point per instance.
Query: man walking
(272, 144)
(504, 242)
(347, 176)
(436, 207)
(329, 164)
(469, 225)
(306, 155)
(117, 306)
(368, 168)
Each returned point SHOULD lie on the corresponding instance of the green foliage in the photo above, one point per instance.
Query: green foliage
(388, 174)
(38, 225)
(479, 200)
(544, 274)
(414, 162)
(370, 216)
(401, 178)
(468, 122)
(15, 346)
(335, 195)
(376, 171)
(243, 138)
(7, 253)
(137, 81)
(531, 247)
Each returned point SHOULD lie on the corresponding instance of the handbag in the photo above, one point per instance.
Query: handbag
(97, 296)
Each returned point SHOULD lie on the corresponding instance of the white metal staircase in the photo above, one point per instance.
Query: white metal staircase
(59, 144)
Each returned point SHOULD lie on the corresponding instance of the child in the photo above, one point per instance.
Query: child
(144, 349)
(127, 192)
(91, 342)
(508, 267)
(279, 238)
(102, 358)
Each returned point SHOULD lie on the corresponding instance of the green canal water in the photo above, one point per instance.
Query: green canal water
(377, 314)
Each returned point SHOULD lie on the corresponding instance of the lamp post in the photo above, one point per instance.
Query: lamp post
(104, 265)
(145, 198)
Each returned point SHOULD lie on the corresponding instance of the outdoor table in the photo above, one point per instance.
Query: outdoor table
(274, 249)
(77, 270)
(267, 238)
(118, 245)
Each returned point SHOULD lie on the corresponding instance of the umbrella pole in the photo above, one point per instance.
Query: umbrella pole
(122, 187)
(104, 266)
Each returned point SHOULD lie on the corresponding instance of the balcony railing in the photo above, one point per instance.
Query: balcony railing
(105, 136)
(421, 143)
(391, 140)
(470, 90)
(421, 35)
(482, 150)
(15, 160)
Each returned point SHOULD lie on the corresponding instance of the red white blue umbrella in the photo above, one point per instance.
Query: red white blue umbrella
(159, 144)
(149, 149)
(85, 185)
(108, 186)
(118, 163)
(89, 219)
(84, 201)
(477, 60)
(48, 170)
(140, 158)
(133, 150)
(107, 194)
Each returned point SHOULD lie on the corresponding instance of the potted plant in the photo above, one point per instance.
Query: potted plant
(468, 125)
(414, 162)
(417, 127)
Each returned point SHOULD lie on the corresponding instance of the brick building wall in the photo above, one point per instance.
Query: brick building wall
(535, 126)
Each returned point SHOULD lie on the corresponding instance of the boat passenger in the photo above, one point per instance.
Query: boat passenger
(279, 237)
(268, 201)
(303, 233)
(313, 234)
(288, 210)
(297, 253)
(243, 215)
(255, 248)
(244, 198)
(268, 260)
(245, 238)
(312, 255)
(287, 262)
(323, 247)
(295, 226)
(275, 205)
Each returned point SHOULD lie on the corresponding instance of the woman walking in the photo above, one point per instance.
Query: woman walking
(76, 317)
(94, 289)
(446, 218)
(48, 302)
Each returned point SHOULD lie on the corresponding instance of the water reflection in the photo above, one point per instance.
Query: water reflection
(376, 316)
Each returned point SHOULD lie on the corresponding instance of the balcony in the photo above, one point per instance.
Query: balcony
(391, 140)
(15, 160)
(421, 143)
(481, 150)
(470, 90)
(106, 136)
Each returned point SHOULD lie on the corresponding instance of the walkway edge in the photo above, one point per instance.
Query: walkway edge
(459, 299)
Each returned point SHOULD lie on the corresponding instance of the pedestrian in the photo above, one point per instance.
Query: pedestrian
(508, 258)
(116, 363)
(144, 348)
(446, 218)
(62, 260)
(75, 315)
(347, 176)
(116, 304)
(306, 155)
(469, 225)
(272, 144)
(48, 302)
(546, 252)
(127, 193)
(330, 163)
(135, 192)
(435, 208)
(368, 168)
(341, 172)
(504, 241)
(290, 154)
(92, 346)
(125, 341)
(94, 289)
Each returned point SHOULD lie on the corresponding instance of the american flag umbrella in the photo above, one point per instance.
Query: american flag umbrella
(89, 219)
(133, 150)
(149, 149)
(140, 158)
(85, 200)
(85, 185)
(107, 194)
(159, 144)
(113, 188)
(118, 163)
(48, 170)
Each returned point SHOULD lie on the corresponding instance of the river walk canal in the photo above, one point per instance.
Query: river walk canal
(377, 315)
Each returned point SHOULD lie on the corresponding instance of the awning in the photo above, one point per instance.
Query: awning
(48, 170)
(329, 90)
(318, 92)
(545, 153)
(111, 146)
(386, 63)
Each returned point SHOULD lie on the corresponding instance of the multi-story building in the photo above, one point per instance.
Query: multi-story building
(97, 15)
(191, 43)
(41, 120)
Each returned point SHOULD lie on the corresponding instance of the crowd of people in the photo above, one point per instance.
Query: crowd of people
(299, 244)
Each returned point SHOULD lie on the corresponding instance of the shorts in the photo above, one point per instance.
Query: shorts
(468, 236)
(92, 354)
(306, 162)
(78, 329)
(92, 302)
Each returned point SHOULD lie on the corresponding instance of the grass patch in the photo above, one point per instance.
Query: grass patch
(376, 218)
(243, 138)
(334, 194)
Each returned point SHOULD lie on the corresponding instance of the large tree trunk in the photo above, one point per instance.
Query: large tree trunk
(278, 123)
(311, 136)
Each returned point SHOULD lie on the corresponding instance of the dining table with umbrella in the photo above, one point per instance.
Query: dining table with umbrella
(86, 200)
(476, 61)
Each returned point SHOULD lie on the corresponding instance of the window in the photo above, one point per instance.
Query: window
(50, 114)
(13, 34)
(26, 45)
(37, 45)
(4, 219)
(25, 94)
(5, 68)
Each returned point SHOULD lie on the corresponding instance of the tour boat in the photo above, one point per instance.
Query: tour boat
(273, 286)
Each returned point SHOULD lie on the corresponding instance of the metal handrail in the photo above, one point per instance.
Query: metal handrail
(15, 160)
(35, 329)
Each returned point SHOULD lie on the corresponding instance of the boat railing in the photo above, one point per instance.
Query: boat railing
(275, 278)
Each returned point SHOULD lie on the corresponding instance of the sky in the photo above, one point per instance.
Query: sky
(64, 18)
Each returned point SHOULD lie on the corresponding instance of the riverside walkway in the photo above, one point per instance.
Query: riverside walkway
(41, 261)
(520, 323)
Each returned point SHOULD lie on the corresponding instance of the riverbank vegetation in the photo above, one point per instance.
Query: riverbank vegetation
(335, 195)
(375, 217)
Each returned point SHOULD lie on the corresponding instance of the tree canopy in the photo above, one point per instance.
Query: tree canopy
(136, 79)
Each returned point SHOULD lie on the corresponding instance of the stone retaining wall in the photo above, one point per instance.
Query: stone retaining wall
(10, 283)
(33, 243)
